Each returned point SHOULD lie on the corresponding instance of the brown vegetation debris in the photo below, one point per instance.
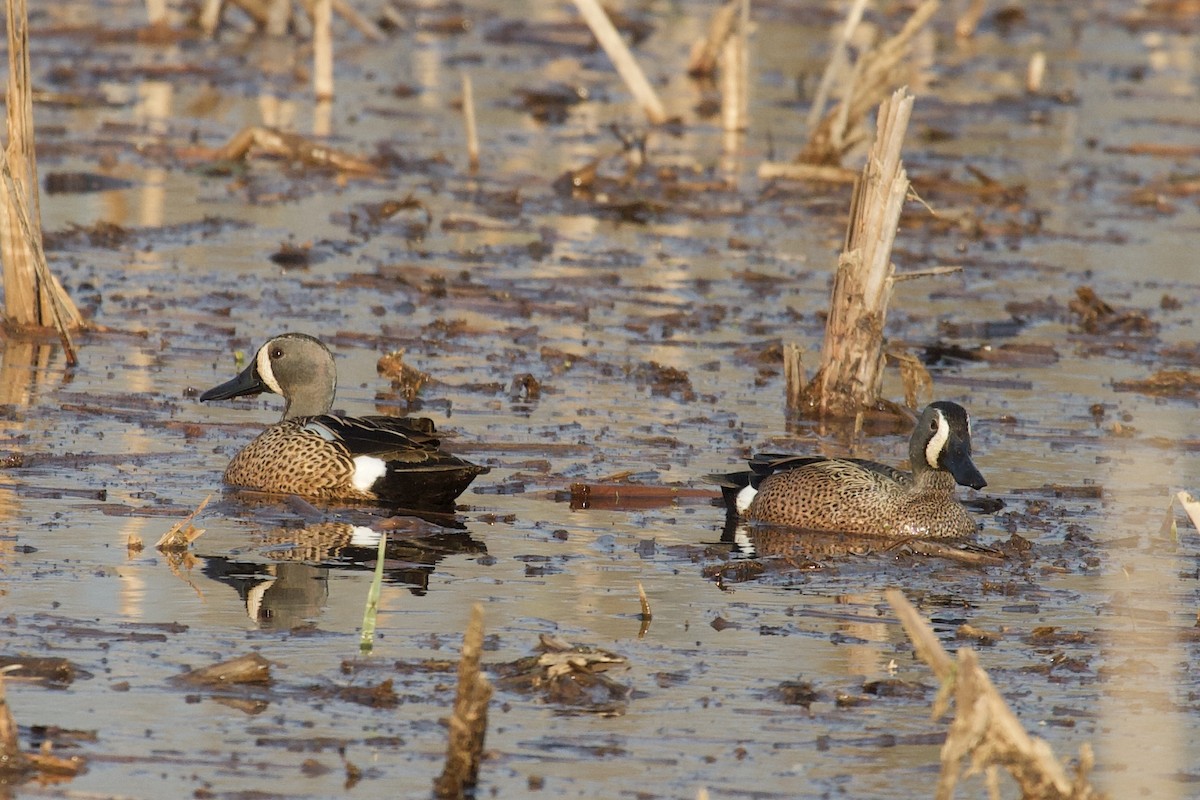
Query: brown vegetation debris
(182, 533)
(797, 693)
(569, 675)
(1174, 383)
(250, 668)
(405, 379)
(524, 388)
(1095, 316)
(56, 672)
(664, 380)
(293, 256)
(381, 695)
(292, 148)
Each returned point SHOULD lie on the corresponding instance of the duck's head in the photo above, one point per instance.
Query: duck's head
(294, 365)
(942, 441)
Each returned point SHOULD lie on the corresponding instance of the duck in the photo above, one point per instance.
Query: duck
(311, 452)
(857, 496)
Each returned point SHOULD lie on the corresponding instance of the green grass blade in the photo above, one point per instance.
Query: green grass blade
(372, 610)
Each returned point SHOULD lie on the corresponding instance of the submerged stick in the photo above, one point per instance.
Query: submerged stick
(468, 723)
(618, 52)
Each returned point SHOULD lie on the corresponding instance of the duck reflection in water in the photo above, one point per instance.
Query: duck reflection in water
(293, 588)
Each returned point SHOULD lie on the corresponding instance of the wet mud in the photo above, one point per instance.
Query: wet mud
(598, 314)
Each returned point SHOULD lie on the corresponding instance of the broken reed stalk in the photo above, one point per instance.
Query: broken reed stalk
(838, 62)
(322, 19)
(468, 101)
(468, 723)
(703, 59)
(735, 74)
(33, 297)
(850, 376)
(869, 81)
(618, 52)
(12, 761)
(984, 727)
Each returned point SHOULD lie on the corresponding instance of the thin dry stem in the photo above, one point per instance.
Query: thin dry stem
(468, 101)
(322, 19)
(873, 77)
(706, 51)
(618, 52)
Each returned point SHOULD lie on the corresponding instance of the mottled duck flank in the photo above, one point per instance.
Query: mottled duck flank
(853, 495)
(313, 453)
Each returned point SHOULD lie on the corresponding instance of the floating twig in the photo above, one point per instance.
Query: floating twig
(292, 147)
(182, 533)
(618, 52)
(250, 668)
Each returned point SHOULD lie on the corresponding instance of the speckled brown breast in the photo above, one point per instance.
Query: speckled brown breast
(288, 459)
(836, 495)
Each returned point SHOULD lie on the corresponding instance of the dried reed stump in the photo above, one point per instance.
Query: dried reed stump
(468, 723)
(850, 376)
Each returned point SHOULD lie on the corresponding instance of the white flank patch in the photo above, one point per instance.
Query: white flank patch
(367, 470)
(937, 442)
(744, 498)
(264, 369)
(362, 536)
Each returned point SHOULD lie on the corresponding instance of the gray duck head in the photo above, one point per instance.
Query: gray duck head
(294, 365)
(942, 441)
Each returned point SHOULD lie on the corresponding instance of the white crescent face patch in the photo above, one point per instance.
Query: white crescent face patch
(264, 369)
(937, 442)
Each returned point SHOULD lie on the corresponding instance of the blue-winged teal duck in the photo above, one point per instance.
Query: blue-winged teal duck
(853, 495)
(316, 454)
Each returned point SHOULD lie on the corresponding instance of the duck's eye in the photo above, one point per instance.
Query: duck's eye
(933, 424)
(276, 353)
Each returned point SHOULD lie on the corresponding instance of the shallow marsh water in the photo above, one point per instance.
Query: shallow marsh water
(513, 278)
